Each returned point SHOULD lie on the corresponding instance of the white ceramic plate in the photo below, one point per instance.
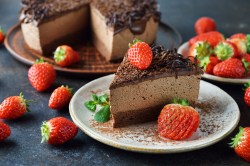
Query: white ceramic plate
(219, 115)
(183, 49)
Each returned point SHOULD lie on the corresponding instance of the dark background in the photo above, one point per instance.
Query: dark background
(23, 147)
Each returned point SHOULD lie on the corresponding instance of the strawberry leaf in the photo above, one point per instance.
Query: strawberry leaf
(103, 114)
(181, 102)
(95, 98)
(90, 105)
(104, 98)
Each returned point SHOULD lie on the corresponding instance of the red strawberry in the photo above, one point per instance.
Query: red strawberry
(140, 54)
(58, 130)
(66, 56)
(213, 38)
(60, 97)
(200, 49)
(208, 63)
(241, 143)
(230, 68)
(225, 50)
(240, 44)
(14, 107)
(41, 75)
(4, 131)
(241, 36)
(204, 24)
(1, 35)
(178, 121)
(247, 93)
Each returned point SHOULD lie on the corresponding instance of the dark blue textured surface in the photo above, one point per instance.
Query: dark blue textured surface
(23, 146)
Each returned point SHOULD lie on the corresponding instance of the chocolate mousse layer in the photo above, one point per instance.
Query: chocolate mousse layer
(128, 13)
(165, 63)
(37, 11)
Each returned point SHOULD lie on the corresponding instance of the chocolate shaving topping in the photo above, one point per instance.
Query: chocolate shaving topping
(38, 10)
(128, 13)
(165, 63)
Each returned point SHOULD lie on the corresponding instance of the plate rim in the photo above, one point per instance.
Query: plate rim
(26, 61)
(123, 146)
(213, 77)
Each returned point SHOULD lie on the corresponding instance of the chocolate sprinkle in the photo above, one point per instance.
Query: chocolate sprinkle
(38, 10)
(165, 63)
(128, 13)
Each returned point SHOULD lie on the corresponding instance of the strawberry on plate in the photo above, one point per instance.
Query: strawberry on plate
(241, 36)
(58, 130)
(14, 107)
(204, 24)
(225, 50)
(2, 36)
(208, 63)
(66, 56)
(240, 44)
(178, 121)
(60, 97)
(41, 75)
(200, 50)
(247, 93)
(212, 37)
(230, 68)
(241, 143)
(140, 54)
(246, 62)
(4, 131)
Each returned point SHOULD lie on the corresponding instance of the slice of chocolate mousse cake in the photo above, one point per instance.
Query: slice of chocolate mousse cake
(116, 23)
(137, 96)
(47, 24)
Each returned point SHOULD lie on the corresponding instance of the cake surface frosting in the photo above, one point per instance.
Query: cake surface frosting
(122, 14)
(37, 10)
(165, 63)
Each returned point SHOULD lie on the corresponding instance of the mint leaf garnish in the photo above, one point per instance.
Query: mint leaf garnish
(103, 114)
(91, 105)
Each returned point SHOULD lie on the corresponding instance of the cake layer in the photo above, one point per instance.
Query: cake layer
(114, 27)
(154, 94)
(63, 29)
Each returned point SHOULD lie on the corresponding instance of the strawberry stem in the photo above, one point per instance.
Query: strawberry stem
(25, 102)
(134, 42)
(246, 85)
(59, 54)
(223, 51)
(45, 131)
(237, 138)
(41, 60)
(181, 101)
(1, 30)
(68, 88)
(246, 65)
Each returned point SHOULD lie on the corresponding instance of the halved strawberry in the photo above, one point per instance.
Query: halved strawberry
(241, 36)
(178, 121)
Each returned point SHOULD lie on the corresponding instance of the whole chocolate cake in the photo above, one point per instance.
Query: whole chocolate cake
(138, 96)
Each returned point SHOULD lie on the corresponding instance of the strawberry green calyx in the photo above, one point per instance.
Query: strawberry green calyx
(68, 88)
(246, 65)
(25, 102)
(246, 85)
(45, 131)
(237, 138)
(59, 54)
(223, 51)
(1, 30)
(204, 62)
(181, 102)
(203, 49)
(134, 42)
(41, 60)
